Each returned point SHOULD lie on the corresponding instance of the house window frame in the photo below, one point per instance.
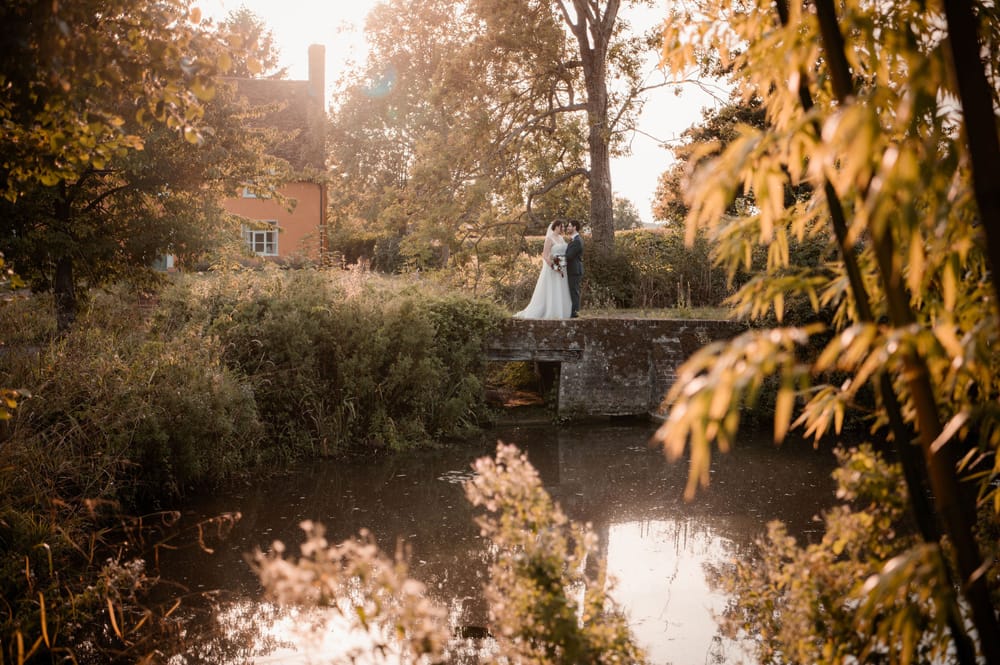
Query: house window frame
(263, 234)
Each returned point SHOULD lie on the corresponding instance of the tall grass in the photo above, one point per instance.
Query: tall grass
(229, 375)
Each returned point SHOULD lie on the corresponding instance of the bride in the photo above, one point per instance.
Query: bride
(551, 297)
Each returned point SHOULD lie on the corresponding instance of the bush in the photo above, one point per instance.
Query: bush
(668, 273)
(609, 281)
(120, 417)
(335, 364)
(232, 371)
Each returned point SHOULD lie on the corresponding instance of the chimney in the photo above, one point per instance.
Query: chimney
(317, 73)
(317, 104)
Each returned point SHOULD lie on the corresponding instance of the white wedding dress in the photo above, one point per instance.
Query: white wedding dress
(551, 297)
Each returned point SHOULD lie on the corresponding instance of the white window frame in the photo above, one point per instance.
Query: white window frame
(262, 237)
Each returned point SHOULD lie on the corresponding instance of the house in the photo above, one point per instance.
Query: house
(297, 110)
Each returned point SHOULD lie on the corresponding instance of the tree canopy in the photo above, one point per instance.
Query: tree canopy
(478, 114)
(117, 142)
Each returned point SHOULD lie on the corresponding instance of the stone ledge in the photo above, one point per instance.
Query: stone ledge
(609, 367)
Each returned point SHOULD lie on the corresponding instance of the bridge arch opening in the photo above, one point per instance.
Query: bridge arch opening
(524, 386)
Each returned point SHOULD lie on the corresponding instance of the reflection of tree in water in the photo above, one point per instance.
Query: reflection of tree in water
(602, 474)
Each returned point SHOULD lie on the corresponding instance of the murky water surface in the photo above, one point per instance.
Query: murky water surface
(657, 546)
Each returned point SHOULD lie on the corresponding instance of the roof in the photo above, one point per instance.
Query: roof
(297, 113)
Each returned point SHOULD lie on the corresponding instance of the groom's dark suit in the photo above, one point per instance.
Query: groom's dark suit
(574, 271)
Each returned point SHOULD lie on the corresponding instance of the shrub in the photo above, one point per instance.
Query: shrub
(334, 366)
(549, 595)
(125, 418)
(609, 281)
(233, 370)
(839, 596)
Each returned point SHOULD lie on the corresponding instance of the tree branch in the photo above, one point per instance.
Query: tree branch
(515, 132)
(940, 464)
(547, 187)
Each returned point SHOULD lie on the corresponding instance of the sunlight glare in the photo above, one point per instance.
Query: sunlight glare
(298, 23)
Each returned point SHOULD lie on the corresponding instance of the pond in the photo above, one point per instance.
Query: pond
(657, 545)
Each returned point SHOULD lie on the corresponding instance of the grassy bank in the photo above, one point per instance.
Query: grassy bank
(225, 376)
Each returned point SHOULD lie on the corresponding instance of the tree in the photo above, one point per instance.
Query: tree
(895, 177)
(117, 146)
(626, 215)
(596, 72)
(407, 145)
(719, 128)
(254, 52)
(481, 114)
(71, 65)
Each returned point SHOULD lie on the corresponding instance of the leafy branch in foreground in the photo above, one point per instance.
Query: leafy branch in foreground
(856, 108)
(836, 590)
(546, 604)
(367, 595)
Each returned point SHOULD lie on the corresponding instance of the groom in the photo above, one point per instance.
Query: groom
(574, 266)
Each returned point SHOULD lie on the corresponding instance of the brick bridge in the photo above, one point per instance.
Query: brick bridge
(608, 367)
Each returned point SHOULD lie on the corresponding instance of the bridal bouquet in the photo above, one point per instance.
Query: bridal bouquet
(559, 265)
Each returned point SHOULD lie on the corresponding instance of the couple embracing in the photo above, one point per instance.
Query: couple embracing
(557, 291)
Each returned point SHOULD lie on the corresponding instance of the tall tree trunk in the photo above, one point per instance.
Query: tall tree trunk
(64, 291)
(979, 119)
(602, 226)
(593, 30)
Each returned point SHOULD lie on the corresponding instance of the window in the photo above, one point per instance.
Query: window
(262, 237)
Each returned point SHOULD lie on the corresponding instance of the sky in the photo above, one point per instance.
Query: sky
(337, 24)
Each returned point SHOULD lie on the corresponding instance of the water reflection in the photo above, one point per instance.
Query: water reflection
(659, 568)
(657, 546)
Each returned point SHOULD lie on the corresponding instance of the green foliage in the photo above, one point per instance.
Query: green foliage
(115, 420)
(232, 374)
(548, 606)
(875, 158)
(474, 115)
(626, 215)
(865, 590)
(83, 68)
(668, 272)
(610, 280)
(330, 370)
(549, 602)
(135, 149)
(128, 418)
(718, 128)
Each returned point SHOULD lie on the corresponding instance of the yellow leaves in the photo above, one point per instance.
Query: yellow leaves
(716, 381)
(784, 404)
(768, 186)
(827, 406)
(192, 135)
(224, 62)
(850, 138)
(916, 264)
(203, 90)
(949, 286)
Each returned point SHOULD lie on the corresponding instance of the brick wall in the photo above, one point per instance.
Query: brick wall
(609, 367)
